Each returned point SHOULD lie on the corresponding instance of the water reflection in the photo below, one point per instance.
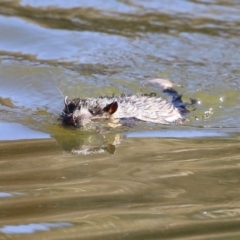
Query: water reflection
(151, 187)
(14, 131)
(9, 194)
(85, 143)
(32, 227)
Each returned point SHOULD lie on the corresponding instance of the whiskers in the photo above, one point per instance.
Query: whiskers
(60, 92)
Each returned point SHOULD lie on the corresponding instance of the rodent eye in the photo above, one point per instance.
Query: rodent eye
(71, 107)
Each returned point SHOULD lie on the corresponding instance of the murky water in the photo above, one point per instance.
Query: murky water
(144, 182)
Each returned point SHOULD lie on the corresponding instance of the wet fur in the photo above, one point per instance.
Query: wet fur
(149, 108)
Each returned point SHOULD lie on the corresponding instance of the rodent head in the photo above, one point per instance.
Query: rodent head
(79, 112)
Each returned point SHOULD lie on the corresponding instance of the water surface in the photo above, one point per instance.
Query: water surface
(144, 182)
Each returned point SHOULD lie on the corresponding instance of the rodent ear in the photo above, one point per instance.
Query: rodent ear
(67, 100)
(111, 108)
(69, 105)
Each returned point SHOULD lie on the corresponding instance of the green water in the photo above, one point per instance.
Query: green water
(144, 182)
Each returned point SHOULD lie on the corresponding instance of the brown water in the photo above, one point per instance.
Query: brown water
(144, 182)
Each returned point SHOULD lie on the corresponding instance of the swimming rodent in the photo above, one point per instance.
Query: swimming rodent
(149, 108)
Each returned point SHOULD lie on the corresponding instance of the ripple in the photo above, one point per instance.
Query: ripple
(177, 134)
(9, 194)
(32, 227)
(218, 214)
(14, 131)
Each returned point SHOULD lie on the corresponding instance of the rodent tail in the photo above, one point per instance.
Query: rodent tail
(167, 87)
